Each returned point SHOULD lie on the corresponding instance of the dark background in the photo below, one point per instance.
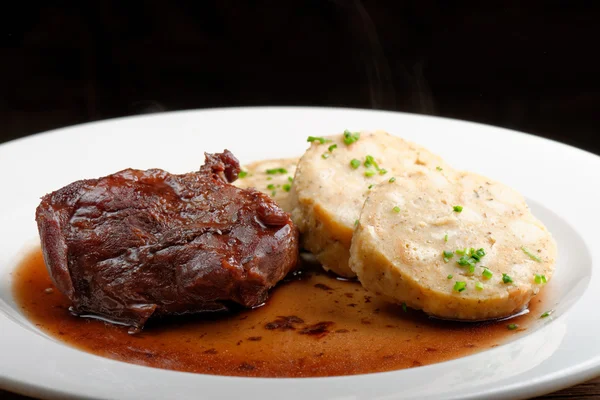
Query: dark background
(526, 65)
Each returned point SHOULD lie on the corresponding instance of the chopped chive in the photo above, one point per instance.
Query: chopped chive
(449, 276)
(350, 137)
(546, 314)
(371, 185)
(290, 179)
(273, 193)
(457, 208)
(370, 162)
(243, 174)
(530, 254)
(512, 327)
(544, 279)
(317, 139)
(477, 254)
(356, 223)
(369, 173)
(506, 279)
(269, 178)
(487, 274)
(404, 307)
(332, 147)
(459, 286)
(447, 255)
(464, 261)
(478, 285)
(461, 252)
(396, 209)
(392, 180)
(325, 156)
(355, 163)
(446, 237)
(287, 187)
(275, 171)
(438, 168)
(538, 279)
(271, 186)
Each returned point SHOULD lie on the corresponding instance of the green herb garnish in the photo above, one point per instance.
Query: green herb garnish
(404, 307)
(275, 171)
(332, 147)
(530, 254)
(546, 314)
(370, 162)
(447, 255)
(369, 173)
(506, 279)
(396, 209)
(465, 261)
(459, 286)
(243, 174)
(512, 327)
(446, 237)
(271, 186)
(392, 180)
(317, 139)
(477, 254)
(487, 274)
(449, 276)
(355, 163)
(438, 168)
(350, 137)
(478, 285)
(287, 187)
(325, 156)
(457, 208)
(539, 279)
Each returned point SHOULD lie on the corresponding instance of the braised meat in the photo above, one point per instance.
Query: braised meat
(139, 244)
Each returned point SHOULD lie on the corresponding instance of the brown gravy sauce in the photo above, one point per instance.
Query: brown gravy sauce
(315, 325)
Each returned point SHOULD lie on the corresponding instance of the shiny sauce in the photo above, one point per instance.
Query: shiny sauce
(312, 325)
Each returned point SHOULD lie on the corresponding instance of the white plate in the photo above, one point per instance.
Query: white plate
(560, 183)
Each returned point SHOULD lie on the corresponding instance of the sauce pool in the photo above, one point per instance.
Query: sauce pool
(312, 325)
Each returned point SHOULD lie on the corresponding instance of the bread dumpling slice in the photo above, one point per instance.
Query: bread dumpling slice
(272, 177)
(458, 247)
(333, 179)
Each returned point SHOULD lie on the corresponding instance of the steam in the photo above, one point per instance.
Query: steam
(382, 91)
(146, 107)
(381, 86)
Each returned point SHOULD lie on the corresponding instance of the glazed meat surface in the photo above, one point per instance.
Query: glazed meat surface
(139, 244)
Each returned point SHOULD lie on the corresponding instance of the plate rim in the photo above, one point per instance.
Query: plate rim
(560, 379)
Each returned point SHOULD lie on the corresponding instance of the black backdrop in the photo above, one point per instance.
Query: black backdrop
(526, 65)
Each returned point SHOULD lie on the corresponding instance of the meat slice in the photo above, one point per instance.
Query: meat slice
(139, 244)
